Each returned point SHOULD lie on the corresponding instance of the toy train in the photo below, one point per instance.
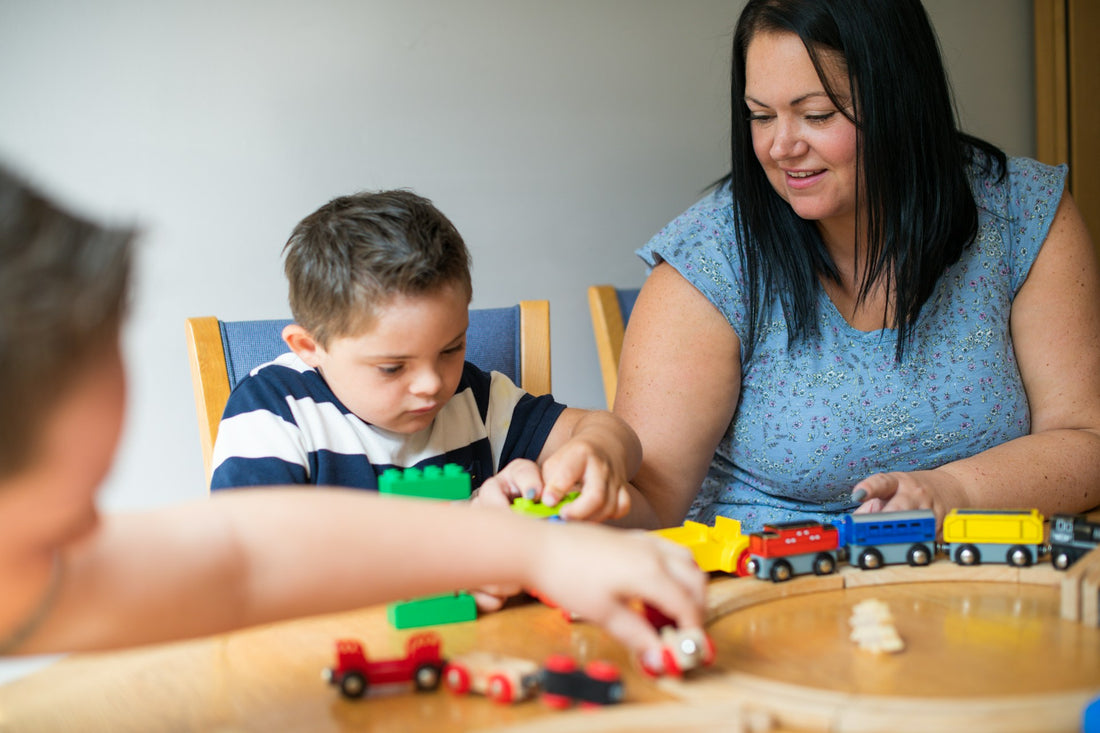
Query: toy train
(1072, 536)
(869, 541)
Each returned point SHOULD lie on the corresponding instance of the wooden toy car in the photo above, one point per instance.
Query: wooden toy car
(1010, 536)
(1072, 536)
(787, 549)
(354, 673)
(563, 684)
(721, 547)
(683, 650)
(501, 678)
(889, 538)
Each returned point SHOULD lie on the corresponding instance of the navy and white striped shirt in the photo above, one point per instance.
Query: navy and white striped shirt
(283, 425)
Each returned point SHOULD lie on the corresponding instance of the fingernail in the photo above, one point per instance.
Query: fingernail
(859, 495)
(652, 661)
(530, 493)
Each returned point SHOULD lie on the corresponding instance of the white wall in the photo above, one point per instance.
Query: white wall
(557, 134)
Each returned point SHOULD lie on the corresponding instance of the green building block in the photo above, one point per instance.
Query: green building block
(449, 608)
(449, 483)
(531, 508)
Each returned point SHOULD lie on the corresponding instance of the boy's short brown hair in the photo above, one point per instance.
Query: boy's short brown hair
(64, 283)
(348, 258)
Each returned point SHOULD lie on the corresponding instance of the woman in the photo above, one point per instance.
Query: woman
(873, 311)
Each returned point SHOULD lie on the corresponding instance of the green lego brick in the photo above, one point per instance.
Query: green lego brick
(532, 508)
(449, 608)
(449, 483)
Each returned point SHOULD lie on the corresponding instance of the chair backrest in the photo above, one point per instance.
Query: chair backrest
(610, 308)
(513, 340)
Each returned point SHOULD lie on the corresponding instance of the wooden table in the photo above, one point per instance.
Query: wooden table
(785, 664)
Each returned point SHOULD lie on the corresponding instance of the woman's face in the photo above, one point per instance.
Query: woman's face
(805, 144)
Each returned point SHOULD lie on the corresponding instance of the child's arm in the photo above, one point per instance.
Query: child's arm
(592, 451)
(262, 555)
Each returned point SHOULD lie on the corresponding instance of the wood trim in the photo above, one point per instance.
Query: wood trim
(534, 334)
(210, 381)
(1082, 28)
(607, 328)
(1051, 82)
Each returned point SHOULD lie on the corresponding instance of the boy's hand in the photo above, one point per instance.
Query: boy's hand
(519, 478)
(577, 466)
(597, 572)
(583, 466)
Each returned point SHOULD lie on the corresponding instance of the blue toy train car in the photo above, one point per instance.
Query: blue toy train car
(889, 538)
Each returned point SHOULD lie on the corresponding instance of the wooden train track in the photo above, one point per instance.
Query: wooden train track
(805, 708)
(738, 701)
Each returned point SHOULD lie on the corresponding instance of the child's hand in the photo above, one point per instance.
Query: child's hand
(581, 465)
(519, 478)
(492, 597)
(596, 572)
(577, 466)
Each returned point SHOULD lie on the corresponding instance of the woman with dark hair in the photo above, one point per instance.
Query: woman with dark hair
(873, 310)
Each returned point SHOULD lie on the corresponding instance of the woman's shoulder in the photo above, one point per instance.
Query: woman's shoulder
(1025, 184)
(705, 226)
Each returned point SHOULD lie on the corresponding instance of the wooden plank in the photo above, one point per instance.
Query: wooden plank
(1071, 584)
(939, 571)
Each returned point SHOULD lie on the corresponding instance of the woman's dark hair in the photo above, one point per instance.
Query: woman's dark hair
(912, 169)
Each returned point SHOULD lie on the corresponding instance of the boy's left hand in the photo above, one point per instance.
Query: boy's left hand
(581, 466)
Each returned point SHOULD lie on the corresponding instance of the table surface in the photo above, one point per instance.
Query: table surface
(976, 643)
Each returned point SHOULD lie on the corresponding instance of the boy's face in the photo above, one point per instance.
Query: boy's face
(52, 501)
(399, 373)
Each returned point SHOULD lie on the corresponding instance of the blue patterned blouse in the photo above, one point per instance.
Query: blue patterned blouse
(816, 416)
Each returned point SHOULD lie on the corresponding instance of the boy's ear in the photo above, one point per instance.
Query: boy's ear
(302, 343)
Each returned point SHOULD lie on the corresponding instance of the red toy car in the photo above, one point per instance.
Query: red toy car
(354, 674)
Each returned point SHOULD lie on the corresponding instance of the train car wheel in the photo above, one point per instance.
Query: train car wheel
(500, 689)
(556, 702)
(743, 561)
(824, 564)
(780, 571)
(427, 676)
(919, 555)
(870, 559)
(353, 685)
(1018, 556)
(1061, 560)
(968, 555)
(456, 679)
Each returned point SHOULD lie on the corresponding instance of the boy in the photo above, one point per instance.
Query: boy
(75, 581)
(377, 378)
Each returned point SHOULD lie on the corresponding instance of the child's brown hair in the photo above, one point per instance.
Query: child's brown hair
(63, 292)
(353, 254)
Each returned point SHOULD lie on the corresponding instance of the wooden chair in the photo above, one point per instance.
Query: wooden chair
(610, 308)
(514, 341)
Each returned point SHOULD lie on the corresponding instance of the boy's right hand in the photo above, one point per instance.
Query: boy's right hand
(597, 572)
(525, 478)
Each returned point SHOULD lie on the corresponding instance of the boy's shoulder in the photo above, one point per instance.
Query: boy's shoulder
(270, 385)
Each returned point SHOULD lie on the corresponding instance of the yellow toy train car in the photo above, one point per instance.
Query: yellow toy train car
(721, 547)
(1010, 536)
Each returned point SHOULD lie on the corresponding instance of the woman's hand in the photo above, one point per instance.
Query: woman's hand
(899, 491)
